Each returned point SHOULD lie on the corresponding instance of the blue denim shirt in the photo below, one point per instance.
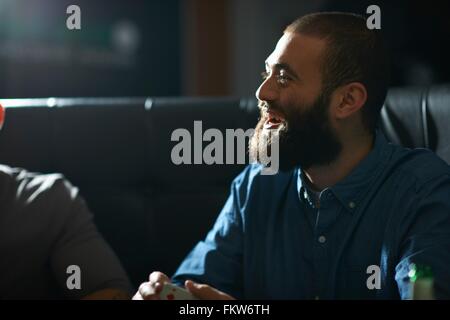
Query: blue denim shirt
(271, 242)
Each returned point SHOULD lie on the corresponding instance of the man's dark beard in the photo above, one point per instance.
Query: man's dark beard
(307, 139)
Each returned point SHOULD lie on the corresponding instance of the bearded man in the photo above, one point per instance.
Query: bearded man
(346, 202)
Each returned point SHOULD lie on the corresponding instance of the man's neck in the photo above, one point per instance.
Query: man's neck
(352, 153)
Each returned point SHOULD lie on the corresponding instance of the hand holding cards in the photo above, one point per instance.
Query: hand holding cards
(173, 292)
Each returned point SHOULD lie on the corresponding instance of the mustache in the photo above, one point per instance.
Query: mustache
(265, 107)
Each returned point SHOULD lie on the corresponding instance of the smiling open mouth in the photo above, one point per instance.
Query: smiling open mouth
(274, 120)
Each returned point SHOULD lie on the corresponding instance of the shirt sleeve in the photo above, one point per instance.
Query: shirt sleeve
(218, 260)
(80, 250)
(427, 240)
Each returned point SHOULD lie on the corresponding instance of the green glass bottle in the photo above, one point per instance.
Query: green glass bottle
(421, 281)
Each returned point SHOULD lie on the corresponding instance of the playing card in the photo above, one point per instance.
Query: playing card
(173, 292)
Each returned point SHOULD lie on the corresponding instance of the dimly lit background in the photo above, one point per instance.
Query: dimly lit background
(188, 47)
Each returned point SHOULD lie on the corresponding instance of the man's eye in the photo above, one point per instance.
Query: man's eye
(264, 75)
(282, 79)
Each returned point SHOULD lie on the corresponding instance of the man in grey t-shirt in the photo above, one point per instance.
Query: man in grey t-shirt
(49, 245)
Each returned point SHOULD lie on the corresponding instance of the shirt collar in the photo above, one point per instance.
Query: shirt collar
(351, 190)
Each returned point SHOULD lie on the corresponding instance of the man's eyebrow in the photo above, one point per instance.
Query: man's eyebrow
(283, 66)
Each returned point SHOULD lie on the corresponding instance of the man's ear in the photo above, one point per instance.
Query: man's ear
(351, 98)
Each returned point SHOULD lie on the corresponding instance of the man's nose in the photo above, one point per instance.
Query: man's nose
(267, 91)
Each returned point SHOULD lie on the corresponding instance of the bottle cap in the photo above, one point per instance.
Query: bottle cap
(417, 271)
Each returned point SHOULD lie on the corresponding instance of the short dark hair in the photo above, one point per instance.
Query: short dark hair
(353, 53)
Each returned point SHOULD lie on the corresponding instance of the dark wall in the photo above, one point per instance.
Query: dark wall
(416, 32)
(124, 48)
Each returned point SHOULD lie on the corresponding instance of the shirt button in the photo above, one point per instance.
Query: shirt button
(322, 239)
(351, 204)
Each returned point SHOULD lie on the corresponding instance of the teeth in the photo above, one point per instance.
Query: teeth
(274, 118)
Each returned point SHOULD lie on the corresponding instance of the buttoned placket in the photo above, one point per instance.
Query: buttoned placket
(326, 215)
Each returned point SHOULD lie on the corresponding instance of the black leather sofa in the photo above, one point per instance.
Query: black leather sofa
(117, 150)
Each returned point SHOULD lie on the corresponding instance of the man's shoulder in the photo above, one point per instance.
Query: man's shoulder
(25, 186)
(253, 182)
(254, 174)
(420, 164)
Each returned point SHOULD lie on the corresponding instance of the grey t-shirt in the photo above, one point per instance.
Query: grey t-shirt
(46, 227)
